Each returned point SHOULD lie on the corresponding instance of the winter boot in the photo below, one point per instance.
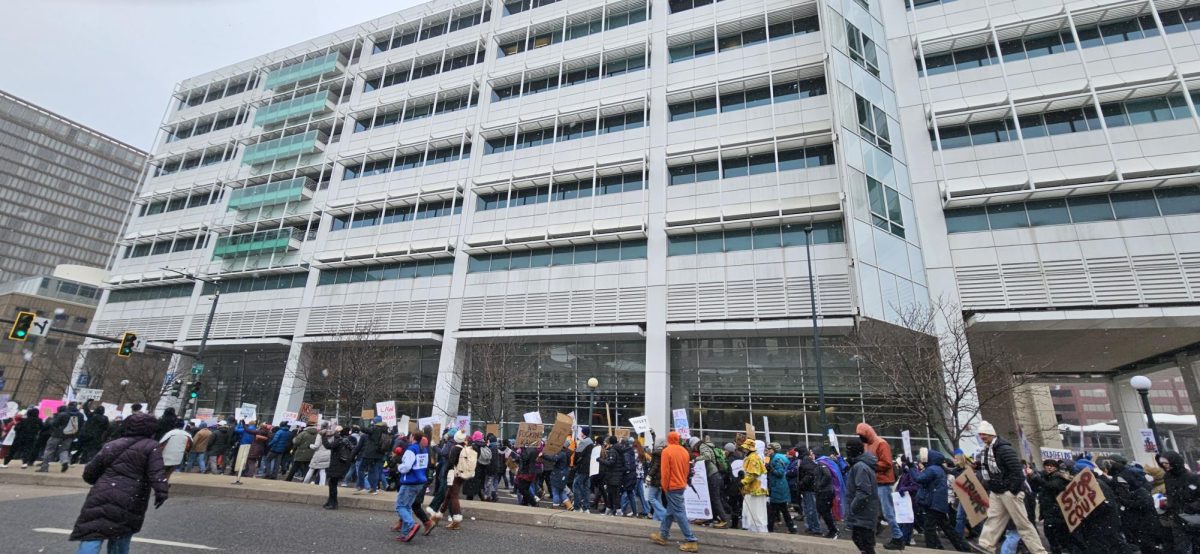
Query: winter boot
(429, 525)
(894, 544)
(689, 546)
(658, 539)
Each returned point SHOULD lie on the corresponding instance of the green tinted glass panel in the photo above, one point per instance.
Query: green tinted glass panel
(307, 69)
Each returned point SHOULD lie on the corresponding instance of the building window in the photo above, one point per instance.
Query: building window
(885, 207)
(397, 161)
(684, 5)
(873, 124)
(607, 184)
(386, 272)
(782, 91)
(862, 49)
(150, 293)
(559, 255)
(1077, 209)
(733, 240)
(518, 6)
(750, 164)
(254, 284)
(371, 218)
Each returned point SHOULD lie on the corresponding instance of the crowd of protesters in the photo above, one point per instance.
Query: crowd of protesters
(752, 485)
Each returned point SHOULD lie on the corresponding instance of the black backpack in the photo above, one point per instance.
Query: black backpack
(385, 443)
(345, 451)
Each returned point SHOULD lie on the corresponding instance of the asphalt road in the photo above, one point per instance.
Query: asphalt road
(38, 519)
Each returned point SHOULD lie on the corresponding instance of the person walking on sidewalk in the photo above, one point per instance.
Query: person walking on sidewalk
(862, 496)
(122, 476)
(934, 497)
(341, 455)
(1004, 478)
(92, 436)
(174, 445)
(413, 463)
(462, 462)
(218, 445)
(885, 477)
(321, 458)
(302, 452)
(674, 467)
(25, 435)
(64, 427)
(277, 449)
(198, 453)
(714, 464)
(780, 495)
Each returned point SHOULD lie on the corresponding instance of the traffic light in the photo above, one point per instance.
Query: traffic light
(126, 348)
(20, 328)
(195, 390)
(176, 387)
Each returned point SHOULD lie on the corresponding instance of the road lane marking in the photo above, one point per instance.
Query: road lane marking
(135, 539)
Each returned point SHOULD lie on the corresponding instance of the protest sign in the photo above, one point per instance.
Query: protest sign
(594, 467)
(289, 417)
(906, 440)
(247, 412)
(1056, 454)
(367, 415)
(83, 395)
(641, 424)
(750, 432)
(493, 429)
(529, 434)
(767, 428)
(5, 411)
(533, 417)
(48, 407)
(680, 420)
(111, 411)
(736, 466)
(202, 414)
(437, 432)
(902, 503)
(1081, 497)
(426, 422)
(622, 433)
(834, 442)
(387, 410)
(558, 434)
(306, 412)
(695, 497)
(405, 425)
(971, 496)
(1148, 443)
(463, 423)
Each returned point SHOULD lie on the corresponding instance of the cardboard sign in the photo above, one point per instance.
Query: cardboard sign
(387, 410)
(493, 429)
(533, 417)
(367, 415)
(306, 412)
(1081, 497)
(622, 433)
(290, 416)
(750, 432)
(641, 424)
(680, 420)
(426, 422)
(529, 434)
(112, 411)
(437, 432)
(695, 498)
(558, 434)
(971, 496)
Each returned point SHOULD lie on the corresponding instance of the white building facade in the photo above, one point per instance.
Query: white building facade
(630, 191)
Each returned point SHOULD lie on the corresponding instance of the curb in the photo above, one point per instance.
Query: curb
(474, 511)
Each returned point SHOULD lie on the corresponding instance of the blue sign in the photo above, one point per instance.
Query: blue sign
(3, 382)
(83, 380)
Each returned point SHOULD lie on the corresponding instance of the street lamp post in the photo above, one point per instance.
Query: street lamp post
(28, 357)
(121, 395)
(1142, 385)
(822, 417)
(593, 384)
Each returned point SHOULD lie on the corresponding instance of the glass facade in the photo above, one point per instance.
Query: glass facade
(234, 377)
(347, 379)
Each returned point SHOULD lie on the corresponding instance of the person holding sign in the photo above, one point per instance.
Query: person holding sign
(1004, 478)
(934, 497)
(674, 467)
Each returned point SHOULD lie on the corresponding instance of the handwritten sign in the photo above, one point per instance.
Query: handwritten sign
(622, 433)
(529, 434)
(83, 395)
(680, 419)
(463, 423)
(203, 414)
(558, 434)
(367, 415)
(387, 410)
(906, 440)
(1081, 497)
(641, 424)
(972, 496)
(533, 417)
(750, 432)
(289, 417)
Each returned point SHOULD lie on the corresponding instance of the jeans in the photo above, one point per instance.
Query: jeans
(558, 494)
(678, 514)
(271, 464)
(889, 511)
(59, 448)
(353, 474)
(404, 505)
(372, 470)
(119, 546)
(812, 521)
(582, 488)
(654, 497)
(489, 486)
(639, 492)
(1011, 540)
(192, 459)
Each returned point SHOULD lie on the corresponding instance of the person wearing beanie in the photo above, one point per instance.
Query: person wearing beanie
(581, 487)
(885, 477)
(376, 444)
(1004, 478)
(779, 494)
(862, 496)
(674, 468)
(754, 489)
(714, 464)
(1053, 480)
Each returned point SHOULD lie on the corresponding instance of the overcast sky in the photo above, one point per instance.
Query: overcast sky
(111, 64)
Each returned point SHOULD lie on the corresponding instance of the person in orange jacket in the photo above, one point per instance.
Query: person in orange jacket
(885, 477)
(675, 466)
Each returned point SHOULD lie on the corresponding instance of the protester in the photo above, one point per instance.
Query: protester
(581, 486)
(91, 438)
(780, 495)
(862, 496)
(827, 493)
(277, 449)
(802, 471)
(714, 464)
(462, 461)
(558, 464)
(26, 430)
(321, 458)
(754, 489)
(612, 465)
(174, 445)
(675, 465)
(733, 485)
(341, 455)
(122, 476)
(222, 439)
(302, 452)
(885, 477)
(1183, 501)
(7, 436)
(1139, 522)
(260, 436)
(630, 506)
(166, 422)
(413, 463)
(198, 453)
(934, 498)
(654, 480)
(1004, 479)
(63, 427)
(374, 446)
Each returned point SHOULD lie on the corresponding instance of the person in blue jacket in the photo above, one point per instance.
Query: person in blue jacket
(277, 447)
(934, 497)
(777, 485)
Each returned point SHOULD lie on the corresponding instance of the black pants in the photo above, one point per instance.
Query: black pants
(864, 539)
(776, 509)
(825, 510)
(333, 486)
(612, 498)
(418, 507)
(935, 521)
(297, 467)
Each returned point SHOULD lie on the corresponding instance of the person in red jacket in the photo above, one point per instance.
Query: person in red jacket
(885, 477)
(675, 465)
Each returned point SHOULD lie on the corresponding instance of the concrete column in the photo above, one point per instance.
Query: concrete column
(1188, 368)
(658, 349)
(296, 373)
(1127, 407)
(1035, 415)
(449, 379)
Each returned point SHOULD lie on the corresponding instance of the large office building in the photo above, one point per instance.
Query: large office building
(65, 191)
(656, 194)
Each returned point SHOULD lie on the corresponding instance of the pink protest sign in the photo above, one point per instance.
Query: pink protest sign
(48, 407)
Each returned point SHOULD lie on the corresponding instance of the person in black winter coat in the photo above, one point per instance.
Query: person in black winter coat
(222, 440)
(341, 456)
(1183, 498)
(24, 445)
(1100, 531)
(862, 496)
(1139, 521)
(612, 464)
(1051, 482)
(122, 476)
(166, 423)
(92, 436)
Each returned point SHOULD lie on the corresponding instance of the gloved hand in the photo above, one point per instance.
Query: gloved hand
(158, 501)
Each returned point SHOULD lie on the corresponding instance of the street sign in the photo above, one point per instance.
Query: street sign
(197, 368)
(41, 326)
(83, 380)
(139, 344)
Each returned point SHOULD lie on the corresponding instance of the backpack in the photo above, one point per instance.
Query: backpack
(385, 443)
(485, 456)
(466, 463)
(345, 453)
(72, 426)
(719, 457)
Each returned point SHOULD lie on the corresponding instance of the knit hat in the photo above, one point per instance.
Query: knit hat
(775, 446)
(730, 448)
(748, 445)
(693, 442)
(854, 448)
(801, 452)
(660, 443)
(377, 419)
(460, 437)
(923, 455)
(1082, 464)
(986, 428)
(476, 436)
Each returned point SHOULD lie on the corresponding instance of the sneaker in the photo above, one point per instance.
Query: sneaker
(24, 466)
(358, 491)
(658, 539)
(894, 544)
(690, 546)
(834, 535)
(429, 525)
(409, 535)
(374, 493)
(64, 467)
(41, 470)
(454, 525)
(721, 525)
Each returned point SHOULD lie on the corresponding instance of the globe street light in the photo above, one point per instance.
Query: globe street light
(1142, 384)
(121, 396)
(592, 384)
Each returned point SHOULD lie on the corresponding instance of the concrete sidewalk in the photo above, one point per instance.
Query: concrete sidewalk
(192, 484)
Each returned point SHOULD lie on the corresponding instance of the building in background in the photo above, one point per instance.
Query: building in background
(65, 191)
(630, 191)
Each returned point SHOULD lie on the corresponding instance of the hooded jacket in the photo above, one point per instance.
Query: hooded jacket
(885, 474)
(753, 469)
(280, 440)
(934, 493)
(673, 465)
(222, 439)
(27, 431)
(201, 440)
(777, 479)
(1183, 487)
(302, 445)
(862, 494)
(122, 476)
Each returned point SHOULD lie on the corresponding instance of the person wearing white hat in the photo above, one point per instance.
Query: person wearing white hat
(1004, 478)
(461, 458)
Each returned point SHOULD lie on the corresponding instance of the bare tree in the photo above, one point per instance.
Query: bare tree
(354, 371)
(52, 367)
(928, 364)
(143, 371)
(493, 369)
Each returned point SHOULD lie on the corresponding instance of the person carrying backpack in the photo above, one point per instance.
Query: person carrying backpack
(64, 427)
(714, 465)
(496, 468)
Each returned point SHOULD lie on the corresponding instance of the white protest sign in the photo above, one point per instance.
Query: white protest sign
(533, 417)
(641, 424)
(83, 395)
(906, 439)
(424, 422)
(205, 414)
(680, 419)
(290, 416)
(6, 411)
(904, 508)
(462, 423)
(402, 426)
(246, 412)
(767, 428)
(736, 467)
(594, 467)
(387, 410)
(834, 442)
(695, 498)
